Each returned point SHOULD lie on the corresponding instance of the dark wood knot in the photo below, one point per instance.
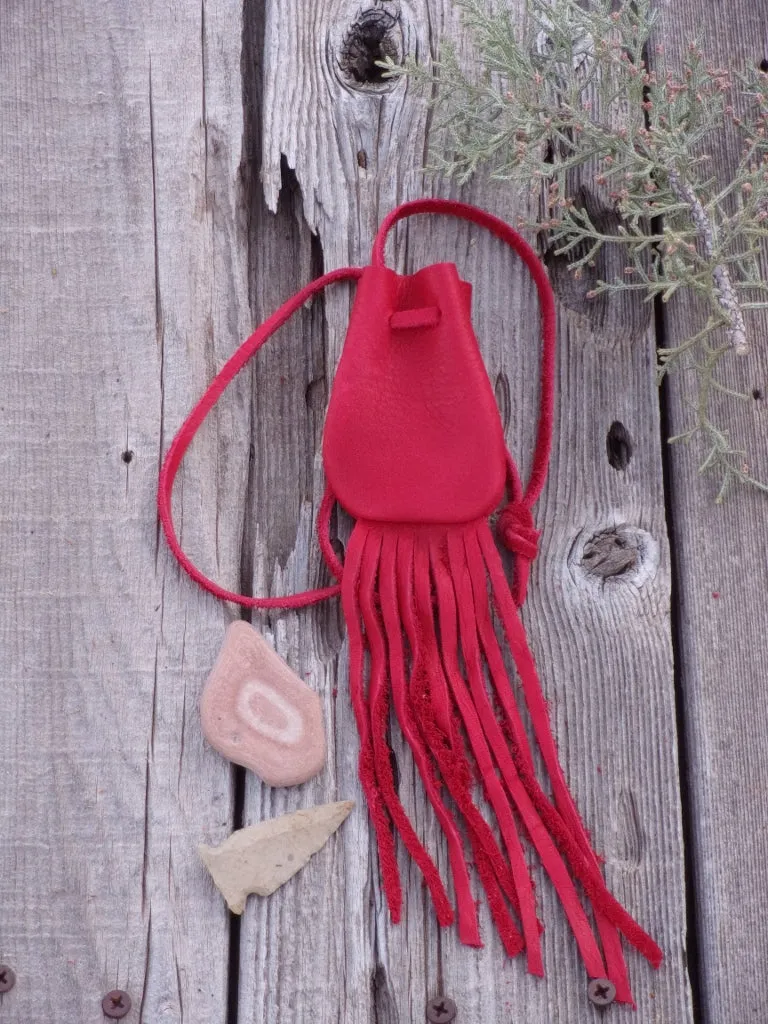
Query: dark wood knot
(609, 554)
(619, 554)
(374, 36)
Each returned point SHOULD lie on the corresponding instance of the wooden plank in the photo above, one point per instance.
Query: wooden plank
(123, 287)
(721, 568)
(171, 261)
(603, 644)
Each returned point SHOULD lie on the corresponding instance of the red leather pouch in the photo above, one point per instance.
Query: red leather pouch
(413, 449)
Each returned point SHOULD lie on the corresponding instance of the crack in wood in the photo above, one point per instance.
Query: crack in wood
(632, 842)
(503, 399)
(382, 997)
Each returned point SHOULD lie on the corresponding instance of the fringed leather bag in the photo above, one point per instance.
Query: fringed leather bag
(413, 449)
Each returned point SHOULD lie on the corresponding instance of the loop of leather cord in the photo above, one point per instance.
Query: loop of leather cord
(507, 234)
(192, 424)
(232, 367)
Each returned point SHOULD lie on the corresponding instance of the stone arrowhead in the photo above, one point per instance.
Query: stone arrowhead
(258, 713)
(259, 859)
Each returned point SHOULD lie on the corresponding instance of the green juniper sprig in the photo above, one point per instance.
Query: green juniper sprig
(579, 89)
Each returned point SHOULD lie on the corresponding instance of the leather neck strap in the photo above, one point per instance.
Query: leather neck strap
(536, 269)
(521, 499)
(192, 424)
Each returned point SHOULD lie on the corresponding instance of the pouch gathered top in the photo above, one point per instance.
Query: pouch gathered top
(414, 450)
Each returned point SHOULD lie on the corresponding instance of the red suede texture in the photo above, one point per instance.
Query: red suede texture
(412, 433)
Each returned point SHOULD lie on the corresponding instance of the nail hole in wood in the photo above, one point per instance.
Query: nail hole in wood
(127, 456)
(369, 40)
(619, 446)
(757, 394)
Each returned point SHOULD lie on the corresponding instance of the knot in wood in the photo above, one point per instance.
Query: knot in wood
(373, 37)
(615, 556)
(609, 554)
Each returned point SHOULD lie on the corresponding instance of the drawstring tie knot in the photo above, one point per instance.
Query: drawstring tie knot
(517, 531)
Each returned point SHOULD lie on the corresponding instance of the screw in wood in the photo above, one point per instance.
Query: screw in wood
(116, 1004)
(441, 1010)
(601, 991)
(7, 978)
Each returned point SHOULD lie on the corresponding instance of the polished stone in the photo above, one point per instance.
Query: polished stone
(258, 713)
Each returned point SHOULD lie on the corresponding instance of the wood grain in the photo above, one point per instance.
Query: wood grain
(722, 569)
(169, 176)
(604, 645)
(123, 286)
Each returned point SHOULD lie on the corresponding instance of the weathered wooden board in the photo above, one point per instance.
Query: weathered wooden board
(123, 285)
(136, 236)
(721, 557)
(604, 645)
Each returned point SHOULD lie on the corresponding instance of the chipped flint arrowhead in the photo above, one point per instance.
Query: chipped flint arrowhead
(261, 858)
(258, 713)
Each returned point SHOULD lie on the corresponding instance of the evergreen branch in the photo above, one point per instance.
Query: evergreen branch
(568, 97)
(726, 294)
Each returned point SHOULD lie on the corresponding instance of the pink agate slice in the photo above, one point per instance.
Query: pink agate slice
(258, 713)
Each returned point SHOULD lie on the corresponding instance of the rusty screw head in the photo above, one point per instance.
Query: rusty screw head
(7, 978)
(601, 991)
(441, 1010)
(116, 1004)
